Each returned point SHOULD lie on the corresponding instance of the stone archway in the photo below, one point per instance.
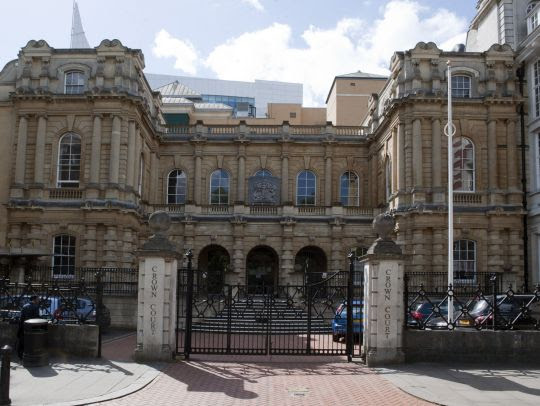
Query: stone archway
(213, 261)
(311, 260)
(262, 264)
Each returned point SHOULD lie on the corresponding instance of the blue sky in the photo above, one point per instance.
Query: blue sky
(307, 41)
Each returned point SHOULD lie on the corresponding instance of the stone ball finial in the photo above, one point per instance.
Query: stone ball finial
(159, 222)
(384, 224)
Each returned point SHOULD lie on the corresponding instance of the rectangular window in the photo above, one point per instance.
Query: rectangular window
(74, 82)
(461, 86)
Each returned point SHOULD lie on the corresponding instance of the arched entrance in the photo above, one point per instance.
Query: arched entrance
(213, 262)
(312, 262)
(262, 265)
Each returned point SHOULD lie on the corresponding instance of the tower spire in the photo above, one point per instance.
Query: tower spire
(78, 39)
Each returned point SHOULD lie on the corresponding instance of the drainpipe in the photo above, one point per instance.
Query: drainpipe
(521, 74)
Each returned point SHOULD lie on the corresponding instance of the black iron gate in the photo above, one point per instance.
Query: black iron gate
(300, 319)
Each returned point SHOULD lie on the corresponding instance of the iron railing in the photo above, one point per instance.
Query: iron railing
(63, 301)
(481, 306)
(116, 281)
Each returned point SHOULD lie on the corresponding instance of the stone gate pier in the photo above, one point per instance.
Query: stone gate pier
(383, 297)
(156, 314)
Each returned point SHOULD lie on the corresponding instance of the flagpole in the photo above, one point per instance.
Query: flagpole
(450, 130)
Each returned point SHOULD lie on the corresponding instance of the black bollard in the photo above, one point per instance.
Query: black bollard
(4, 375)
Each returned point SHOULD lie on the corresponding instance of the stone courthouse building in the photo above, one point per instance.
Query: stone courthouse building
(86, 156)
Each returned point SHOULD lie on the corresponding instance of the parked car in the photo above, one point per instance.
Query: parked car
(57, 309)
(426, 310)
(339, 322)
(508, 312)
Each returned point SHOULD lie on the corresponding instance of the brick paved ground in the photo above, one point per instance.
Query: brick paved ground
(245, 380)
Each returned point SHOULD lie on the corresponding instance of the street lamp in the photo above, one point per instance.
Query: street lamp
(449, 131)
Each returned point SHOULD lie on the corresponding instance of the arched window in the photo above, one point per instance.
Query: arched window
(388, 177)
(263, 173)
(69, 161)
(349, 189)
(464, 170)
(74, 82)
(219, 187)
(63, 260)
(465, 260)
(176, 189)
(461, 86)
(306, 182)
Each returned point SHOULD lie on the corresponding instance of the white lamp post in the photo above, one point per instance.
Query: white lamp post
(450, 130)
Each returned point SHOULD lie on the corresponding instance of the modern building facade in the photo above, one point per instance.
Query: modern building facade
(88, 156)
(515, 23)
(348, 98)
(248, 99)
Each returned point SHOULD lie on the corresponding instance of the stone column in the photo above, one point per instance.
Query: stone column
(138, 154)
(154, 166)
(110, 257)
(90, 246)
(285, 199)
(401, 157)
(156, 314)
(492, 160)
(95, 157)
(240, 197)
(511, 154)
(394, 160)
(198, 179)
(287, 254)
(132, 144)
(418, 166)
(383, 298)
(328, 181)
(39, 156)
(20, 162)
(436, 161)
(338, 255)
(114, 163)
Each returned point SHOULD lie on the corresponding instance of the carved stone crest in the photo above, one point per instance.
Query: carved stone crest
(264, 190)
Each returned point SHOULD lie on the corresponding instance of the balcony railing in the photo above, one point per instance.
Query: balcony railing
(170, 208)
(467, 198)
(276, 130)
(260, 210)
(216, 209)
(311, 210)
(65, 194)
(357, 211)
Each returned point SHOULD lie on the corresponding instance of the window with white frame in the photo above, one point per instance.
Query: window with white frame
(219, 187)
(464, 260)
(176, 187)
(263, 173)
(69, 161)
(74, 82)
(349, 189)
(306, 188)
(461, 86)
(464, 167)
(63, 259)
(536, 84)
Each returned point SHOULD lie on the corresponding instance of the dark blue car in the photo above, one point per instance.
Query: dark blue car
(339, 323)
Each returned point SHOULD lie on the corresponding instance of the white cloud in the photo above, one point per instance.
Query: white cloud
(351, 45)
(256, 4)
(183, 51)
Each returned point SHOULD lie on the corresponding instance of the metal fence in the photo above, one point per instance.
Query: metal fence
(482, 304)
(116, 281)
(62, 301)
